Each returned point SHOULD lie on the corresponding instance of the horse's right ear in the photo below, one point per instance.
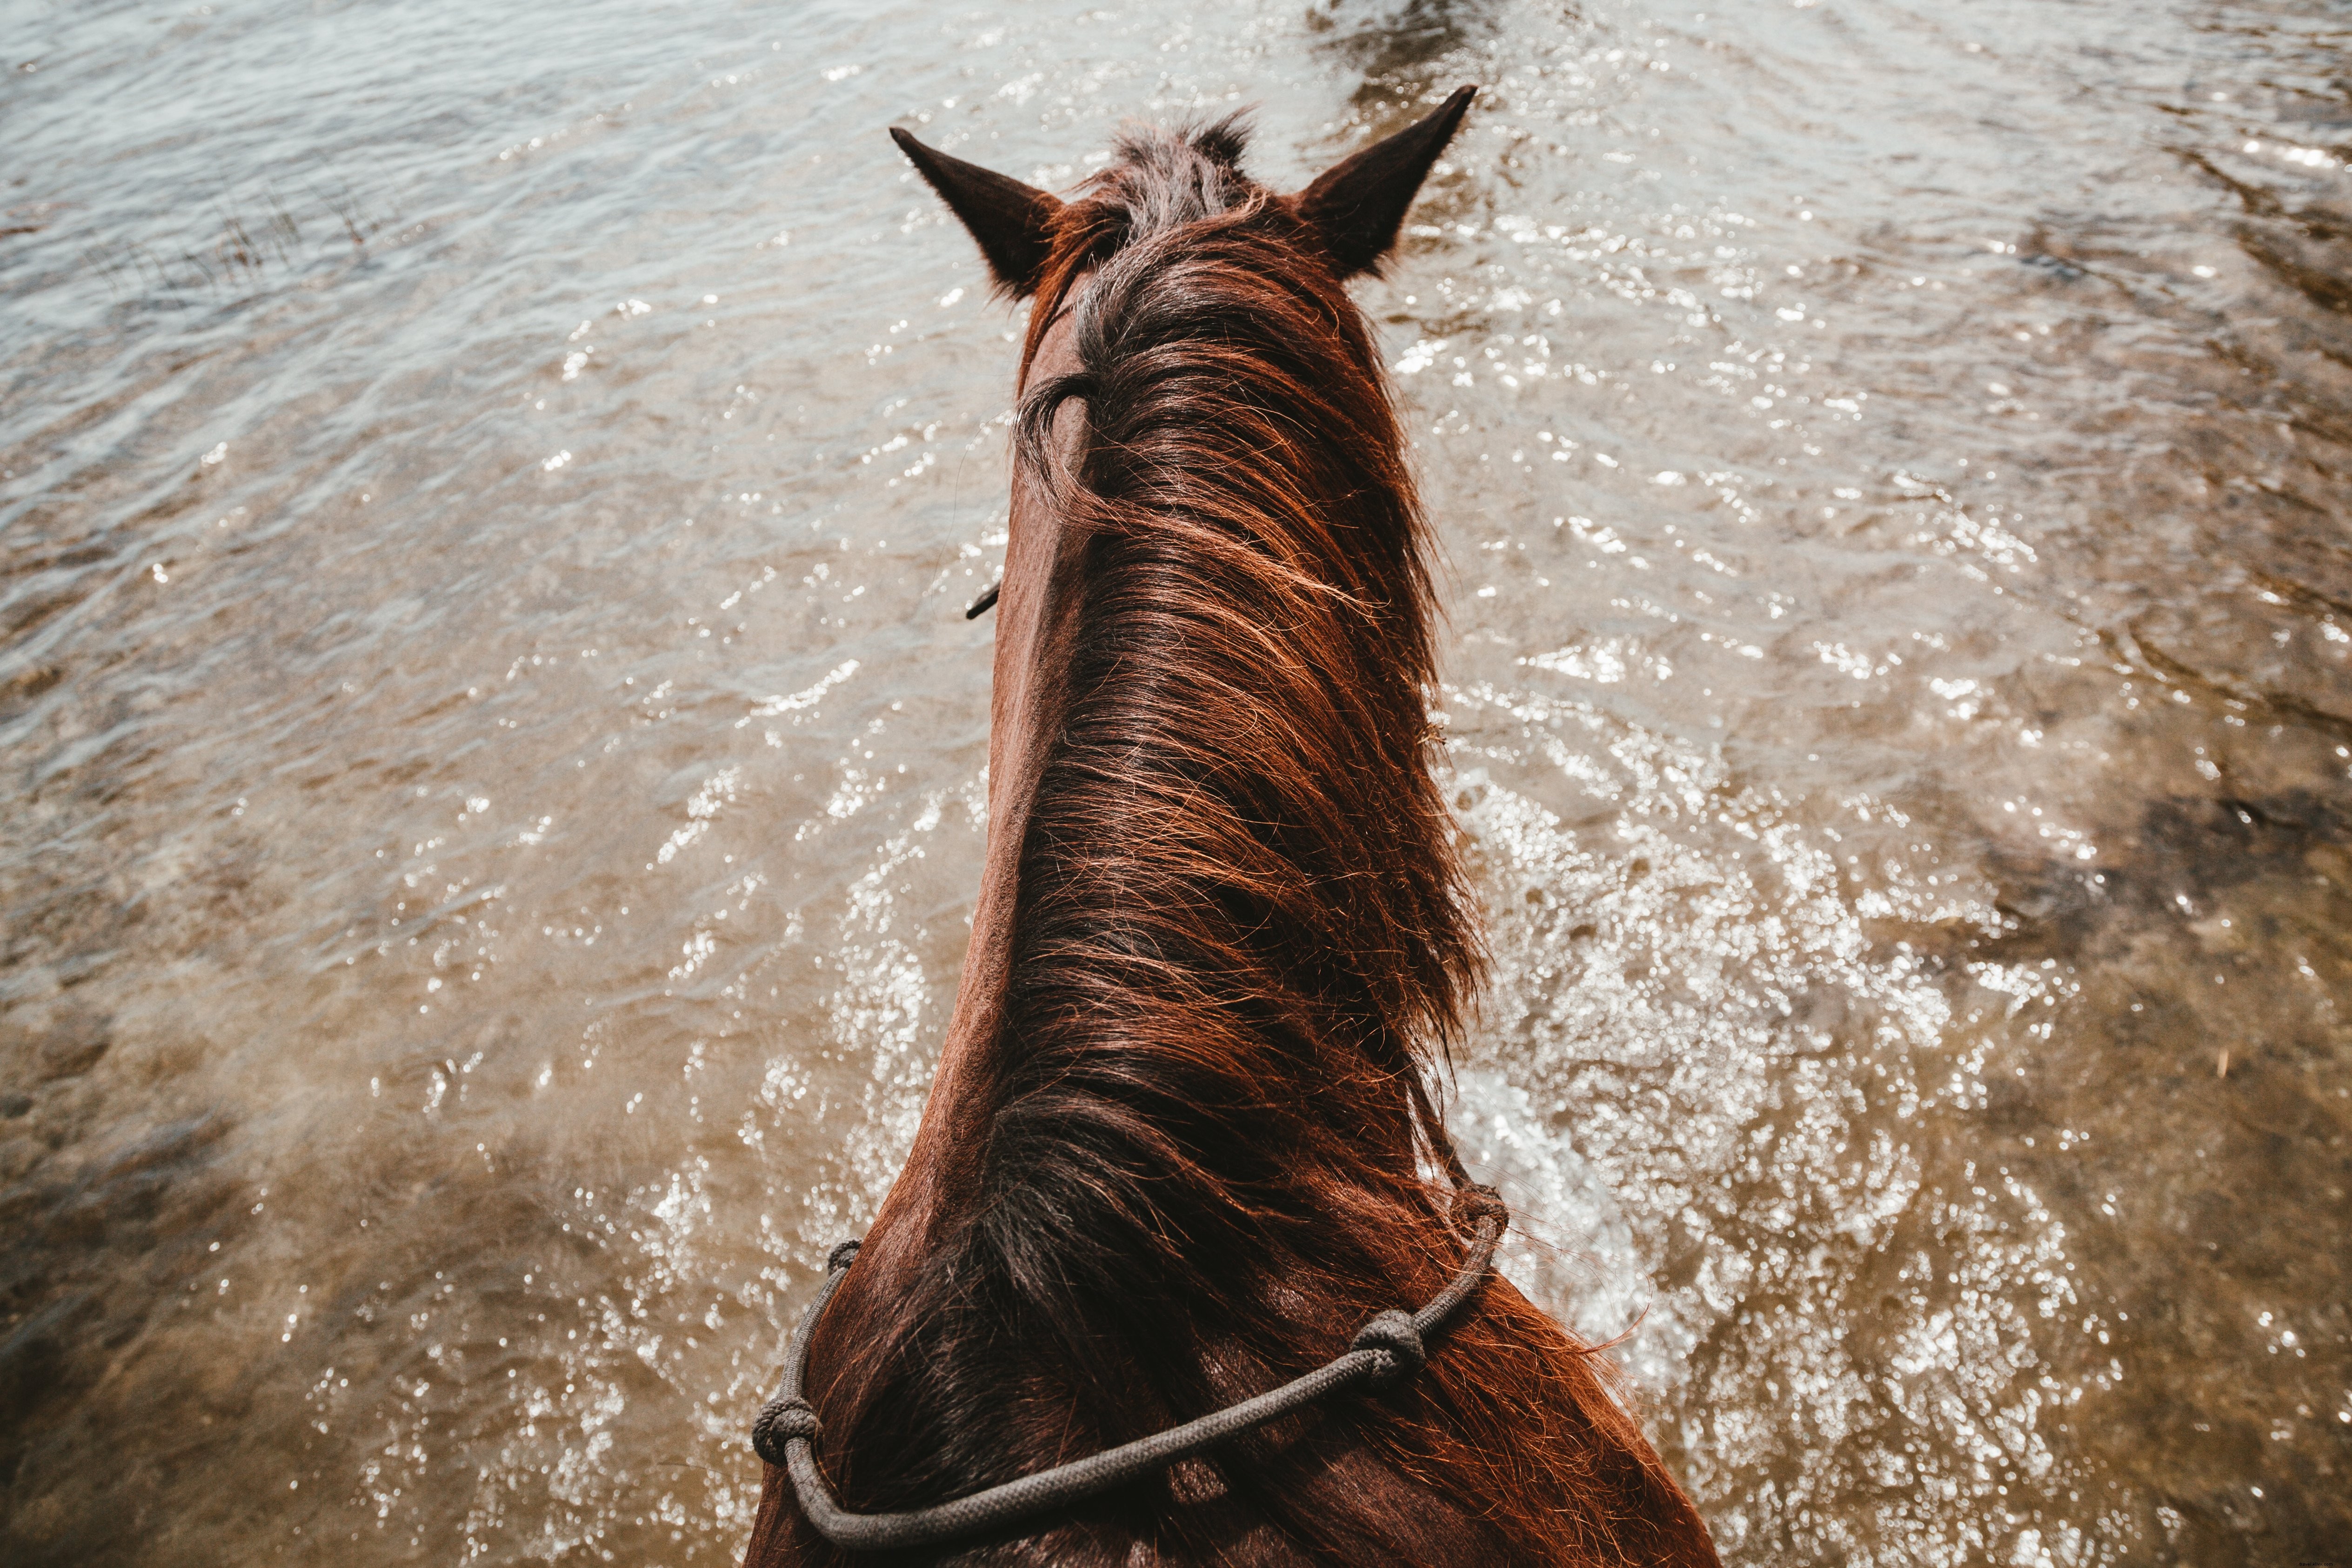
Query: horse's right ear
(1013, 221)
(1358, 203)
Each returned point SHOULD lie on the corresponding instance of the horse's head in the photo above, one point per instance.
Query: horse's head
(1345, 221)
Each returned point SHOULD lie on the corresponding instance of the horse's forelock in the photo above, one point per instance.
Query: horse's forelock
(1158, 180)
(1168, 176)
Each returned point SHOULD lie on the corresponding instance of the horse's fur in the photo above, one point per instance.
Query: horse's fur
(1191, 1147)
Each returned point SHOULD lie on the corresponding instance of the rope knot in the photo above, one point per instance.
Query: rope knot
(1391, 1336)
(780, 1421)
(1475, 1203)
(843, 1255)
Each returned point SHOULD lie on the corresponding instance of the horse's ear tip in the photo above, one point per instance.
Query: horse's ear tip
(904, 138)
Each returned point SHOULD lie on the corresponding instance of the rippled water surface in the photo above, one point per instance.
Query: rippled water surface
(493, 756)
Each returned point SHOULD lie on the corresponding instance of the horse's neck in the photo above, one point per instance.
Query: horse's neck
(1034, 621)
(1530, 1460)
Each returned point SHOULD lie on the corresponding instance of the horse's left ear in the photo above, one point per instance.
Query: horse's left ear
(1360, 203)
(1013, 221)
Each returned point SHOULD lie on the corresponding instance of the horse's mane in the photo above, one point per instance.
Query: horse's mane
(1243, 940)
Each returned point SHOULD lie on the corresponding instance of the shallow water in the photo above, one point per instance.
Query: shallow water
(494, 756)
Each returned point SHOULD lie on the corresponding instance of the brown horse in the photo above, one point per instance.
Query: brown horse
(1181, 1143)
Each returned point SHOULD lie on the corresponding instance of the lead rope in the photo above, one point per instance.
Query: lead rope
(1384, 1351)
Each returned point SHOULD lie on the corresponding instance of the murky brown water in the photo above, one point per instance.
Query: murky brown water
(493, 759)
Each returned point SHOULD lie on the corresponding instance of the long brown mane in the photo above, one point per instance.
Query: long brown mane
(1201, 1147)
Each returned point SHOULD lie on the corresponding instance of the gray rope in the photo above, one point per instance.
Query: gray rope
(1384, 1351)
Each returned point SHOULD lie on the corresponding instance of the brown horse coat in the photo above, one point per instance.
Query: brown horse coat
(1180, 1144)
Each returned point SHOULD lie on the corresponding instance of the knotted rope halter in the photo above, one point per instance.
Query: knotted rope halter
(1384, 1351)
